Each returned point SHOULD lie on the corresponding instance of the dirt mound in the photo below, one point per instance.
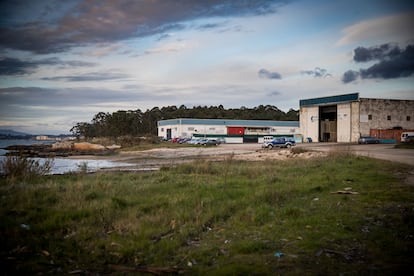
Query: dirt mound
(284, 154)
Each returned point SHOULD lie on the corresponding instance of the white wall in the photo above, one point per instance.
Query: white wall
(343, 127)
(185, 130)
(309, 122)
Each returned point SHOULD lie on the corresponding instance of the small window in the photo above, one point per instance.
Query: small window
(408, 118)
(389, 118)
(370, 117)
(212, 128)
(190, 128)
(162, 129)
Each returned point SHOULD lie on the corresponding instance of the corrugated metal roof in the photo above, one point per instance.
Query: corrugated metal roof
(226, 122)
(330, 100)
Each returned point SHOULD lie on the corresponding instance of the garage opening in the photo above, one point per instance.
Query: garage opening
(251, 139)
(328, 123)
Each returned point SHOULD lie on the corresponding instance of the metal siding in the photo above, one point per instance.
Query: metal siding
(330, 100)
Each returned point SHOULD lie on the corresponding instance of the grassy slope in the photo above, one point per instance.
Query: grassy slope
(218, 218)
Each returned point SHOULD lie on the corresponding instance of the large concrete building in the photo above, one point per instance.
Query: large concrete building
(344, 118)
(233, 131)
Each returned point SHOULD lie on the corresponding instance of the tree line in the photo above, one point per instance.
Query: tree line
(138, 123)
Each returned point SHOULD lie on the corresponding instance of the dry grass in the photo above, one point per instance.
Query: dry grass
(226, 218)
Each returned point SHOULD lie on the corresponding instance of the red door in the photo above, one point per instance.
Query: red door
(235, 130)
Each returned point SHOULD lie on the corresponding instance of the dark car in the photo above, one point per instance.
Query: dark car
(368, 140)
(209, 142)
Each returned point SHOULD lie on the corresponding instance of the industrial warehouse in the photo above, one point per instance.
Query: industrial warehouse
(341, 118)
(345, 118)
(232, 131)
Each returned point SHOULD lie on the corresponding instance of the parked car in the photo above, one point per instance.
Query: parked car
(183, 140)
(209, 142)
(407, 137)
(409, 140)
(368, 140)
(194, 141)
(279, 142)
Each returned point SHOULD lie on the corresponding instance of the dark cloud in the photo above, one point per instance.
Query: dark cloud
(95, 21)
(96, 76)
(392, 63)
(317, 73)
(350, 76)
(265, 74)
(210, 26)
(362, 54)
(14, 66)
(164, 36)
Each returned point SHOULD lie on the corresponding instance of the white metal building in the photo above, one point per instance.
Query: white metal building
(233, 131)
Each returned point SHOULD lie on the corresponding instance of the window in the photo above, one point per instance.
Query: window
(389, 118)
(212, 128)
(190, 128)
(408, 118)
(370, 117)
(162, 129)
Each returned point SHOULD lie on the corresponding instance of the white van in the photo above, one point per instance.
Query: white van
(406, 136)
(268, 139)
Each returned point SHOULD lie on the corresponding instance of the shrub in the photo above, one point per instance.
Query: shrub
(23, 168)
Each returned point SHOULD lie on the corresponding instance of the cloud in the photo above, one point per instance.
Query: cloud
(362, 54)
(166, 48)
(209, 26)
(265, 74)
(95, 76)
(317, 73)
(393, 62)
(394, 27)
(97, 21)
(15, 66)
(274, 94)
(350, 76)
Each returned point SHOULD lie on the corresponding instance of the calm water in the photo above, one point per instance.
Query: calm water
(61, 165)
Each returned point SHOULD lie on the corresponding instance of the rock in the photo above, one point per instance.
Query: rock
(113, 147)
(85, 146)
(62, 145)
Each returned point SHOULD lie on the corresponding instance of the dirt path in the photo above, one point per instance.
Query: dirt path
(155, 158)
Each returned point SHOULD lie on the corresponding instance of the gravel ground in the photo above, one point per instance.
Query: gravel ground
(155, 158)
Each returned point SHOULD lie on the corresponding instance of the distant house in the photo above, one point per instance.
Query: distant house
(232, 131)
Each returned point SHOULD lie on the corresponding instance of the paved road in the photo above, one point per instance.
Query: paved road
(379, 151)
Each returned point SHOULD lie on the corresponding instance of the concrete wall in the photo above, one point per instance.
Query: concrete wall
(385, 114)
(344, 122)
(355, 121)
(309, 122)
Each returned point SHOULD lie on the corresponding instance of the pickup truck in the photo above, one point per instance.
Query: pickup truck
(279, 142)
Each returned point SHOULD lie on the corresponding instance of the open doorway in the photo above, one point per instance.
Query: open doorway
(328, 123)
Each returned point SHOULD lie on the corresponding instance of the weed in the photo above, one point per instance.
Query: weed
(297, 150)
(83, 167)
(21, 168)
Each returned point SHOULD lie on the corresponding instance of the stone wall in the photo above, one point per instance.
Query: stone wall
(385, 114)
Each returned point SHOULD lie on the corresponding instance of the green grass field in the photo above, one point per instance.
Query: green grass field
(214, 218)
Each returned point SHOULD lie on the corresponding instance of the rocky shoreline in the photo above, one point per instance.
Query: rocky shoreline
(60, 149)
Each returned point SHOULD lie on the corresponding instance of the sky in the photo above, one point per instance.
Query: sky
(62, 62)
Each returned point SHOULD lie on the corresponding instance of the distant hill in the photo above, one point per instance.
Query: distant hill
(10, 132)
